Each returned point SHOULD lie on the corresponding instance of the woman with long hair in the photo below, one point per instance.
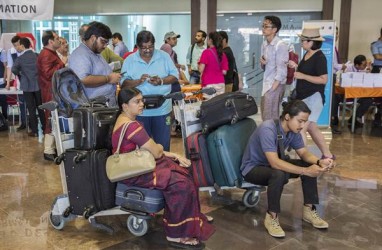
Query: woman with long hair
(185, 226)
(213, 65)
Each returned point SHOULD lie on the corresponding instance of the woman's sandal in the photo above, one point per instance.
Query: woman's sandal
(185, 244)
(210, 219)
(327, 157)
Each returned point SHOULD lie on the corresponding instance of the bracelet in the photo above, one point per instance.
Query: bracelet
(161, 81)
(107, 79)
(318, 162)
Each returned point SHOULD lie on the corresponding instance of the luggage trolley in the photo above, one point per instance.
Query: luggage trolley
(188, 112)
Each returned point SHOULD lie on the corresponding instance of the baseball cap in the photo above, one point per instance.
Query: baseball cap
(171, 34)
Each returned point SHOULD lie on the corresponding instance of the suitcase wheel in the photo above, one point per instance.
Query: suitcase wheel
(251, 198)
(57, 221)
(137, 226)
(59, 159)
(88, 212)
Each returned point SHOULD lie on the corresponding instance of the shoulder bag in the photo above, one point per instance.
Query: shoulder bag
(128, 165)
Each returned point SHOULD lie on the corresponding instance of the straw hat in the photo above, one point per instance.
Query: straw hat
(312, 34)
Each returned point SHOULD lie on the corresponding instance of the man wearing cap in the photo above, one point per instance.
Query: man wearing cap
(170, 41)
(274, 60)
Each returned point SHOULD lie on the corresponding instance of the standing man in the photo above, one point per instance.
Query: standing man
(92, 69)
(152, 72)
(376, 51)
(63, 51)
(193, 56)
(274, 59)
(25, 68)
(12, 55)
(47, 63)
(119, 46)
(230, 77)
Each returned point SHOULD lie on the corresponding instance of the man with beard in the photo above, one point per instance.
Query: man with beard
(152, 72)
(86, 61)
(264, 163)
(193, 56)
(63, 51)
(47, 63)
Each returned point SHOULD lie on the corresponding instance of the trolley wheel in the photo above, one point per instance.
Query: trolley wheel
(88, 212)
(57, 221)
(251, 198)
(136, 226)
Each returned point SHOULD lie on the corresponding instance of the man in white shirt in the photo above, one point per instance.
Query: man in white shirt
(194, 52)
(274, 59)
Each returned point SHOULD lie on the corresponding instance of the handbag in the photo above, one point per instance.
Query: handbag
(128, 165)
(153, 101)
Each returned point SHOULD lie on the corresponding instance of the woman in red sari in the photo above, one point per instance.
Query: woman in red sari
(185, 226)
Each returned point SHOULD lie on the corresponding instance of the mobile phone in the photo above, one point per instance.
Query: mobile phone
(123, 73)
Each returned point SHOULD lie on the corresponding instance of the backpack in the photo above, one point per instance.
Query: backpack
(68, 91)
(290, 71)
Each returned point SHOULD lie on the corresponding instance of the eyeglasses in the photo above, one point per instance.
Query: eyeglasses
(264, 26)
(103, 40)
(147, 48)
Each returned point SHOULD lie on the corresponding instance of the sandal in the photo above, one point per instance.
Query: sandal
(327, 157)
(210, 219)
(185, 244)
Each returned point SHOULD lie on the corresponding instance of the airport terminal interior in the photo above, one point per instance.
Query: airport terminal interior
(350, 200)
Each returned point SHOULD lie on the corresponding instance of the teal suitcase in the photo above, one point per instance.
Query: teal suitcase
(226, 147)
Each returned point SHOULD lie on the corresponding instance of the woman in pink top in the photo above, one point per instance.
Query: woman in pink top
(213, 64)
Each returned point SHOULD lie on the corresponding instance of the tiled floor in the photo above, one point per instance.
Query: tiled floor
(351, 201)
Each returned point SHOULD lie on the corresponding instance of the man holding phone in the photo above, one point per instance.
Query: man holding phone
(152, 72)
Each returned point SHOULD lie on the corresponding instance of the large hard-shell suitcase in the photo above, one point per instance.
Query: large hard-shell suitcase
(91, 127)
(197, 152)
(226, 146)
(226, 108)
(139, 199)
(89, 189)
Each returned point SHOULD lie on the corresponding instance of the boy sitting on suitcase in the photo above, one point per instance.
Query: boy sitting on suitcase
(263, 164)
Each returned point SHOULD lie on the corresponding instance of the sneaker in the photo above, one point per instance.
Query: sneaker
(273, 226)
(310, 215)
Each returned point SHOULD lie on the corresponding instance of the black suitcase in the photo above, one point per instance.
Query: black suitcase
(137, 199)
(226, 147)
(226, 108)
(89, 189)
(91, 127)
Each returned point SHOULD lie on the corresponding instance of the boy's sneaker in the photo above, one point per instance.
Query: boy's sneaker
(273, 226)
(310, 215)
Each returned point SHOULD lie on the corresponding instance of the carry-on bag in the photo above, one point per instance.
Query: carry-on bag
(226, 147)
(92, 126)
(89, 189)
(226, 108)
(139, 199)
(200, 164)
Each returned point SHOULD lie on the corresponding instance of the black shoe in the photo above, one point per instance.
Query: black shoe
(336, 131)
(50, 157)
(22, 127)
(31, 134)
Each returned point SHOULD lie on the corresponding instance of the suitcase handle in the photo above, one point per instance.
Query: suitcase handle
(136, 192)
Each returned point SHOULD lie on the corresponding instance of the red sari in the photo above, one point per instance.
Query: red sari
(182, 217)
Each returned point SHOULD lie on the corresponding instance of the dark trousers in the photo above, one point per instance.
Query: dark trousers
(158, 128)
(3, 103)
(33, 100)
(364, 104)
(275, 180)
(376, 69)
(336, 99)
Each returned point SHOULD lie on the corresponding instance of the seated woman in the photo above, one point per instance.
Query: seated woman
(185, 226)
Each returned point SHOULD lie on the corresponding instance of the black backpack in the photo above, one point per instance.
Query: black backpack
(68, 91)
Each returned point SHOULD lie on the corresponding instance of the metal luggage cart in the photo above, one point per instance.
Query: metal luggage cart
(187, 112)
(60, 210)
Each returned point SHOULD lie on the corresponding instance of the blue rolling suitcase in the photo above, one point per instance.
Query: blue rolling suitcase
(139, 200)
(226, 146)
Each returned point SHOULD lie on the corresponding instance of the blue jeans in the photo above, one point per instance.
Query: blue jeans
(194, 77)
(158, 128)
